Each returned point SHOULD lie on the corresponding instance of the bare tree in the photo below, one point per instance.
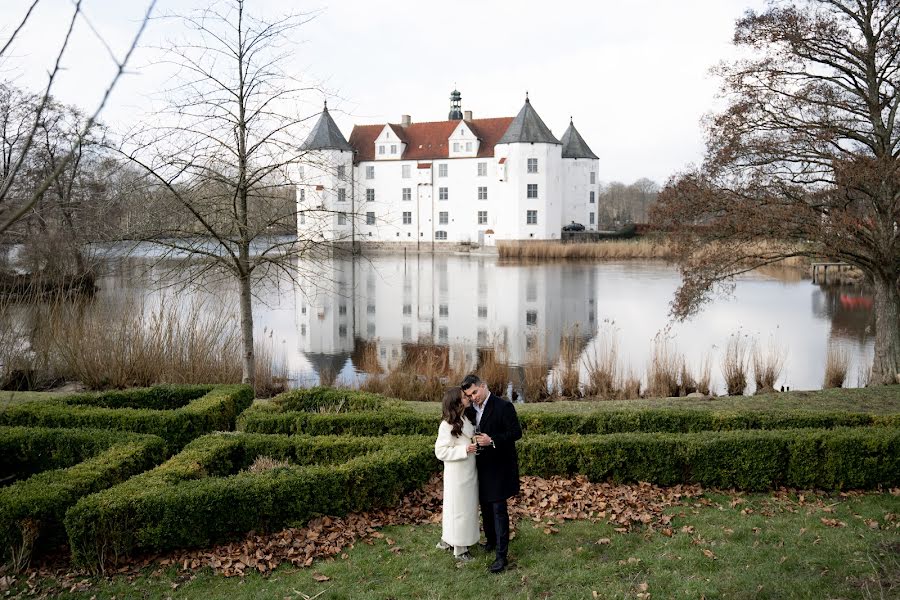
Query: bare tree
(16, 201)
(224, 156)
(803, 161)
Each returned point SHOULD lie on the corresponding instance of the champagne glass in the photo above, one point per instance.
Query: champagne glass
(475, 441)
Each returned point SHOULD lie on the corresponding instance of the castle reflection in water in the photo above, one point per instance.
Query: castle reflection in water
(462, 307)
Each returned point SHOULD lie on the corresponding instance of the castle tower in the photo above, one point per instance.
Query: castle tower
(456, 113)
(579, 176)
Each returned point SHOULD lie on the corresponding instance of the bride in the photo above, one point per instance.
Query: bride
(455, 448)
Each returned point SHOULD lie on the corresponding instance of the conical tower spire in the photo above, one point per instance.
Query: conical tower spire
(573, 145)
(325, 135)
(456, 113)
(528, 127)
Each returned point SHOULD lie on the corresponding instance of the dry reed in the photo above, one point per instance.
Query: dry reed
(535, 386)
(735, 365)
(603, 370)
(263, 464)
(606, 249)
(768, 364)
(568, 375)
(837, 363)
(631, 386)
(705, 376)
(666, 364)
(494, 369)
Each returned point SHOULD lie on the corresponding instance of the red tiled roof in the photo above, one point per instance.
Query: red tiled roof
(428, 141)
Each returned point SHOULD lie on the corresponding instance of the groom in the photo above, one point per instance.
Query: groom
(498, 464)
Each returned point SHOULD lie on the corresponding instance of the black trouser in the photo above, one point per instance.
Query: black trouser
(495, 519)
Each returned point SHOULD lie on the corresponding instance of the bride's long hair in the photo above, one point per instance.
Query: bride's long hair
(453, 410)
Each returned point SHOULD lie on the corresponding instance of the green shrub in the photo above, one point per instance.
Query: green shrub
(202, 494)
(331, 400)
(178, 414)
(840, 458)
(54, 468)
(283, 417)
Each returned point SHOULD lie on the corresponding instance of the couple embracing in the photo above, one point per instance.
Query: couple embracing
(477, 443)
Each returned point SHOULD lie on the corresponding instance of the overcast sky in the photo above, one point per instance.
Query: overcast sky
(634, 75)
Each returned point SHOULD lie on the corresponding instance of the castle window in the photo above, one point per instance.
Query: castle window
(370, 218)
(443, 217)
(482, 192)
(532, 190)
(407, 194)
(370, 195)
(442, 334)
(591, 218)
(531, 217)
(440, 235)
(443, 193)
(482, 311)
(342, 218)
(531, 318)
(468, 146)
(381, 149)
(302, 195)
(407, 171)
(341, 171)
(482, 169)
(482, 217)
(592, 197)
(393, 148)
(407, 218)
(370, 172)
(593, 177)
(303, 218)
(532, 165)
(444, 310)
(442, 170)
(342, 195)
(456, 146)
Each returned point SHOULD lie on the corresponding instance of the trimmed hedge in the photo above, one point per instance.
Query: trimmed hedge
(288, 418)
(841, 458)
(69, 464)
(331, 400)
(201, 496)
(178, 414)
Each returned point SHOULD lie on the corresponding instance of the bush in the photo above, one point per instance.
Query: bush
(842, 458)
(53, 469)
(178, 414)
(201, 496)
(330, 400)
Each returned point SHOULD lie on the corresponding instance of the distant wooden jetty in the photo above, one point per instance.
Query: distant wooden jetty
(820, 270)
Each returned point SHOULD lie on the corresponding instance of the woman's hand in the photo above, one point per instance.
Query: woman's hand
(471, 449)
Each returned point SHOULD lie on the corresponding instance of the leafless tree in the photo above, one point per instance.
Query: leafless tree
(17, 200)
(223, 158)
(804, 159)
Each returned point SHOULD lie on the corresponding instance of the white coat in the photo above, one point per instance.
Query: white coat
(460, 518)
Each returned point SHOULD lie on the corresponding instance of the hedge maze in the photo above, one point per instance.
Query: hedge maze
(324, 451)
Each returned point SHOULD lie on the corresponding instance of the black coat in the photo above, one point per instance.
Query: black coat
(498, 466)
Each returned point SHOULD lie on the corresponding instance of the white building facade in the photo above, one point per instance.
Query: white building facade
(462, 180)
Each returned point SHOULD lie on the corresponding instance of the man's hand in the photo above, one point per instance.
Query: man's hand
(471, 449)
(484, 439)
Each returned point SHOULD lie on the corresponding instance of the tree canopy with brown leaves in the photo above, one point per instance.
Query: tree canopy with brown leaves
(804, 160)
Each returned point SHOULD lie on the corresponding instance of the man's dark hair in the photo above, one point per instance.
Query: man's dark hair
(469, 381)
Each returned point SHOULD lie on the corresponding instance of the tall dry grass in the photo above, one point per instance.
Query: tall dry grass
(666, 365)
(768, 364)
(423, 375)
(837, 364)
(735, 365)
(704, 377)
(536, 387)
(603, 370)
(117, 344)
(568, 373)
(605, 249)
(494, 368)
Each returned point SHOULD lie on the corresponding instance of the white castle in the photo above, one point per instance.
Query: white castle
(462, 180)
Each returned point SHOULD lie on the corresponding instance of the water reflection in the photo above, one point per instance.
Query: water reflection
(373, 313)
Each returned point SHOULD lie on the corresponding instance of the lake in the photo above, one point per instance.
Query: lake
(469, 303)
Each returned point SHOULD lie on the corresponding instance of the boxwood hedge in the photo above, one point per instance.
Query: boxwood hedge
(178, 414)
(322, 411)
(202, 495)
(53, 467)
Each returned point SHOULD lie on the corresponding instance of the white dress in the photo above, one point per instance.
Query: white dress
(460, 518)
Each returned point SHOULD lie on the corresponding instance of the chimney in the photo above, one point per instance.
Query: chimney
(405, 120)
(467, 115)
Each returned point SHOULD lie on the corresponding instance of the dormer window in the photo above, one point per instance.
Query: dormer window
(381, 149)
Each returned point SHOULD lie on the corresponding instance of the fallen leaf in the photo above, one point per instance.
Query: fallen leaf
(709, 554)
(604, 541)
(321, 578)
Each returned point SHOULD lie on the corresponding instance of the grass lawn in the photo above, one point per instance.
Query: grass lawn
(10, 398)
(877, 400)
(747, 546)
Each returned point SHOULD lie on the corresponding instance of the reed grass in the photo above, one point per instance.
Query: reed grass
(603, 250)
(735, 365)
(494, 368)
(704, 378)
(837, 364)
(666, 364)
(603, 370)
(568, 375)
(768, 364)
(535, 386)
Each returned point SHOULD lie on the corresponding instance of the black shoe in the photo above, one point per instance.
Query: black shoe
(488, 547)
(498, 565)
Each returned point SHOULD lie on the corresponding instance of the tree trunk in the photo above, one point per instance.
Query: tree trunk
(886, 362)
(248, 362)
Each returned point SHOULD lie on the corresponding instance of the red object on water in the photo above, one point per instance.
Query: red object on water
(855, 302)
